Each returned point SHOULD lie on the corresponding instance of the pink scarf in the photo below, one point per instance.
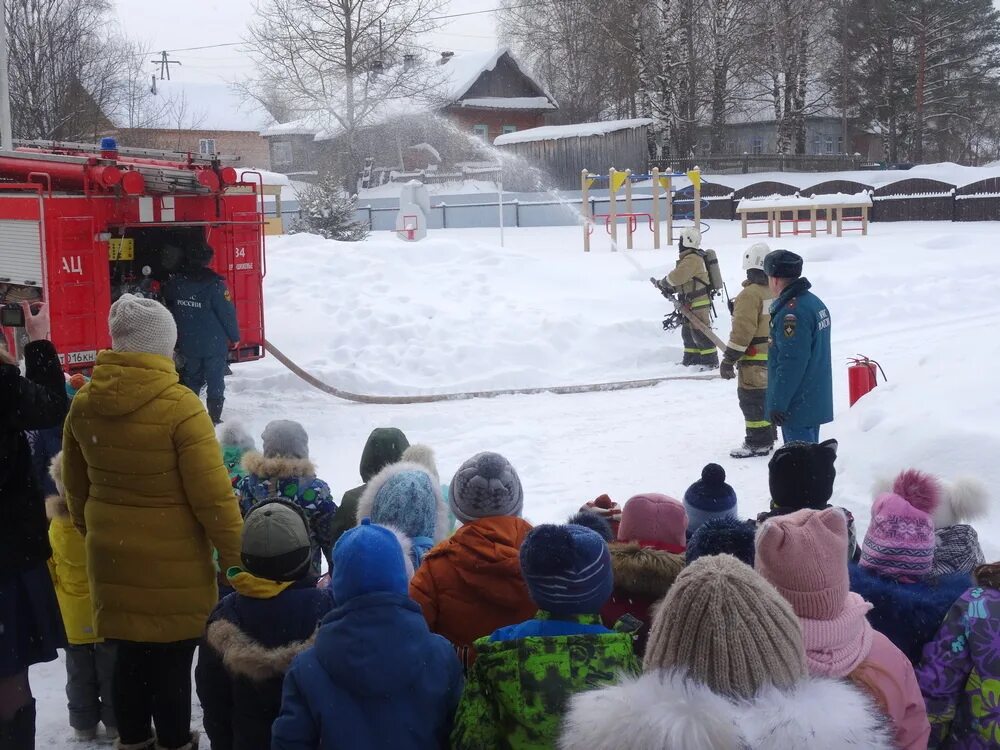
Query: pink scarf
(835, 648)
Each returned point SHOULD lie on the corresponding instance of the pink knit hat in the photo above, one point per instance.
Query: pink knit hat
(804, 554)
(900, 540)
(654, 521)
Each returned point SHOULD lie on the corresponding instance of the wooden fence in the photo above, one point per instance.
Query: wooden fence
(750, 163)
(915, 199)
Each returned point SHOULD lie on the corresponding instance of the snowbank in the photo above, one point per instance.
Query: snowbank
(581, 130)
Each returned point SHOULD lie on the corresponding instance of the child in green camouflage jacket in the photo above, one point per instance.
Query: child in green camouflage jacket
(525, 674)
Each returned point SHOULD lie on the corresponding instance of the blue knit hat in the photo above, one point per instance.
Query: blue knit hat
(724, 535)
(567, 569)
(709, 497)
(406, 497)
(367, 560)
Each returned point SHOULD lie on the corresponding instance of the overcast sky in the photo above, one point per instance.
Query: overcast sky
(179, 24)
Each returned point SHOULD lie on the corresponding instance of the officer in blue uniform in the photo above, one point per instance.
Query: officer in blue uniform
(206, 326)
(799, 374)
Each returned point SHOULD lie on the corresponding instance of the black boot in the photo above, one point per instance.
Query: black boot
(19, 732)
(215, 410)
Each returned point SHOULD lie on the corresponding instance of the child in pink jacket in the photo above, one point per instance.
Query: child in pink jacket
(804, 555)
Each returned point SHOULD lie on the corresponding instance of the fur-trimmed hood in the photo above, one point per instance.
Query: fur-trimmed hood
(643, 571)
(278, 467)
(407, 547)
(56, 507)
(410, 521)
(55, 471)
(962, 500)
(245, 657)
(665, 710)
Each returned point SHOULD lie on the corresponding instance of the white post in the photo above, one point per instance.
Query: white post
(499, 199)
(6, 137)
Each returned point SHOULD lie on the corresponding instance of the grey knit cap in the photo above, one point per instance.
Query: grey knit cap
(486, 485)
(285, 438)
(727, 628)
(142, 325)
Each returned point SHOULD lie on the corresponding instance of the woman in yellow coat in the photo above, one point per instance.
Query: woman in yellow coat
(146, 485)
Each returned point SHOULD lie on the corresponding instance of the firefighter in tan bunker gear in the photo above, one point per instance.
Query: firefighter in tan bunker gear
(690, 281)
(747, 352)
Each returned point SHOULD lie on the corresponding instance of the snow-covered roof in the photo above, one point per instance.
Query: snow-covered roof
(433, 86)
(579, 130)
(197, 105)
(509, 102)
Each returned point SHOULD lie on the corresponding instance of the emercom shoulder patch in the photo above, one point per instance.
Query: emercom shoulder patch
(788, 325)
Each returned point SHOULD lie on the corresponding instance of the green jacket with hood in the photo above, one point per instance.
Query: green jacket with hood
(518, 690)
(385, 446)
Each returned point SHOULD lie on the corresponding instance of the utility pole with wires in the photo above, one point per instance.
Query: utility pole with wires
(6, 130)
(164, 62)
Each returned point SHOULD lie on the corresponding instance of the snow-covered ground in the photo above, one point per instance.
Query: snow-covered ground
(458, 312)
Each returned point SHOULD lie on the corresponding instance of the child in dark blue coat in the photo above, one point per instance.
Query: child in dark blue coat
(377, 677)
(254, 634)
(896, 572)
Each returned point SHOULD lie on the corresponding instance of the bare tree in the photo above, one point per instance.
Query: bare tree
(728, 53)
(334, 59)
(591, 75)
(65, 67)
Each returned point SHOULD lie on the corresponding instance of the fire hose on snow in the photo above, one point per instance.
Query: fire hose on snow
(432, 398)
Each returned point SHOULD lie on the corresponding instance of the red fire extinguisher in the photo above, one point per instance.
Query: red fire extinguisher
(862, 376)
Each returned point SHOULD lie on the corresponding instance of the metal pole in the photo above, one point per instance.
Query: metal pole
(500, 201)
(656, 208)
(6, 136)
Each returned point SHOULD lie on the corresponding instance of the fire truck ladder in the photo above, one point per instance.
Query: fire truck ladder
(137, 153)
(164, 172)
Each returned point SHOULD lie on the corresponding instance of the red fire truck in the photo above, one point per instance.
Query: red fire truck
(82, 224)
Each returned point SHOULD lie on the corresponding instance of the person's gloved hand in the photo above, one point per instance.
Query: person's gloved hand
(727, 370)
(778, 418)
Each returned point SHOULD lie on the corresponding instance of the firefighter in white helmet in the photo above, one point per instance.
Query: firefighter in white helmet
(692, 284)
(746, 353)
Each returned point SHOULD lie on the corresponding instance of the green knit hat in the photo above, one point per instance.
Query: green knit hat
(727, 628)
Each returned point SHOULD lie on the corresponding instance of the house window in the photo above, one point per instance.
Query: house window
(481, 131)
(509, 129)
(840, 144)
(817, 148)
(757, 145)
(206, 146)
(829, 145)
(281, 153)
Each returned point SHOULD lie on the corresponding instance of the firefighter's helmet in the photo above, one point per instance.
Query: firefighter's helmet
(691, 237)
(753, 258)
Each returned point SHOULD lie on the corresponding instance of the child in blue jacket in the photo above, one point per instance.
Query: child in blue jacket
(377, 677)
(254, 633)
(284, 471)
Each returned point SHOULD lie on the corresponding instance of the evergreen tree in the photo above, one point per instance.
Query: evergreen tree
(328, 210)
